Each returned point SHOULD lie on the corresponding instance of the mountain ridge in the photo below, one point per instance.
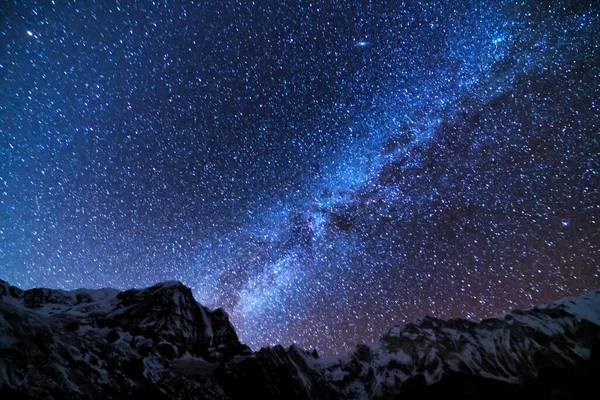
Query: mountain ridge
(106, 343)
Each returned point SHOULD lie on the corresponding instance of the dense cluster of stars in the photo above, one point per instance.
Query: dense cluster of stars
(322, 170)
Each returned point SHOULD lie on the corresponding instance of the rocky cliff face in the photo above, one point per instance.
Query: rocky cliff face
(99, 343)
(159, 341)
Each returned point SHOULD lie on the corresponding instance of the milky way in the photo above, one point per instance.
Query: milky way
(320, 170)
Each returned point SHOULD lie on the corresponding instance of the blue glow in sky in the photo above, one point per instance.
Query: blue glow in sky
(320, 170)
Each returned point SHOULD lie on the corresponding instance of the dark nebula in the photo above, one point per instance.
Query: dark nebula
(322, 170)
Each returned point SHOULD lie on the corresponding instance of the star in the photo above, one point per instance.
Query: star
(319, 196)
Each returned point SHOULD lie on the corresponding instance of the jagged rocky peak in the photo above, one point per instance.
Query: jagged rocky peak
(514, 348)
(165, 317)
(168, 313)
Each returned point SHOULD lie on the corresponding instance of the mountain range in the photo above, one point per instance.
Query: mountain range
(160, 342)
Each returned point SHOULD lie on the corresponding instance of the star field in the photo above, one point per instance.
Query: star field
(321, 170)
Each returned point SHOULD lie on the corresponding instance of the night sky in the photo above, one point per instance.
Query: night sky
(321, 170)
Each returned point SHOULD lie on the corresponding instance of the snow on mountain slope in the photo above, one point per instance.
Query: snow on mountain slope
(511, 348)
(159, 341)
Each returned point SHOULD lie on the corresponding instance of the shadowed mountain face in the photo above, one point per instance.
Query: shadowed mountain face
(159, 341)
